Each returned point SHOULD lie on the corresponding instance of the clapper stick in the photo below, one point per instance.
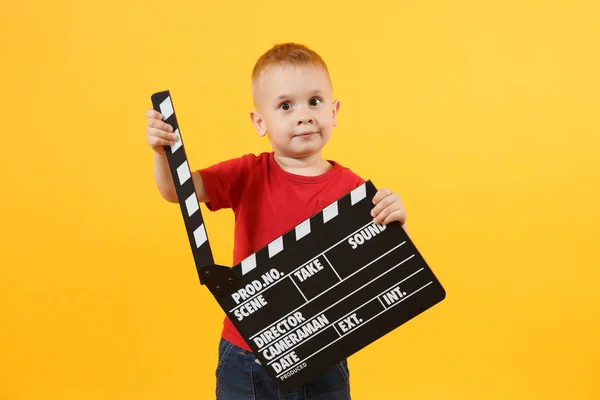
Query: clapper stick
(184, 186)
(319, 293)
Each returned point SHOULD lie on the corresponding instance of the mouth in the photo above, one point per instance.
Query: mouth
(307, 134)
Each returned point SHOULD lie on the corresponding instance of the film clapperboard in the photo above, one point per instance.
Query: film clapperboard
(320, 292)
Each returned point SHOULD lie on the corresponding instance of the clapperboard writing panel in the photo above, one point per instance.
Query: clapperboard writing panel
(323, 290)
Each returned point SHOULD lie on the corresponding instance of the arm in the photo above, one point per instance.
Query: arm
(160, 134)
(164, 180)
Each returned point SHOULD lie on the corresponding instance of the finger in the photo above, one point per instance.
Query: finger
(398, 215)
(381, 216)
(381, 193)
(383, 203)
(152, 113)
(162, 135)
(156, 141)
(155, 123)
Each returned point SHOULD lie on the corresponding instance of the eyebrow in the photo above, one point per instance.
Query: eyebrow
(285, 96)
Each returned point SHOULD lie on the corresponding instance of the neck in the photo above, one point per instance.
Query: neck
(312, 165)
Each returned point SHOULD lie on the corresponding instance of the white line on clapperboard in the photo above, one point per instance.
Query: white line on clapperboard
(331, 265)
(331, 287)
(295, 284)
(362, 324)
(334, 323)
(302, 265)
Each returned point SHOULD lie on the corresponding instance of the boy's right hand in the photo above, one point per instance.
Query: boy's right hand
(158, 133)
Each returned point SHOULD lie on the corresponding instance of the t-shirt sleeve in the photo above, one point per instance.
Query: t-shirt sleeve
(224, 182)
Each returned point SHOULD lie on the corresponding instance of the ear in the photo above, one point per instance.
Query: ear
(335, 109)
(258, 123)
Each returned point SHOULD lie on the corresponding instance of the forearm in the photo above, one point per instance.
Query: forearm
(163, 178)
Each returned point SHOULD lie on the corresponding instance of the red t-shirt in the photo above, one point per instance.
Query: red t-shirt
(268, 201)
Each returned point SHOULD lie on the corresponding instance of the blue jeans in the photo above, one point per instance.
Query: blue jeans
(240, 377)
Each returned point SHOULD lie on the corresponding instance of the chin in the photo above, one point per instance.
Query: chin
(309, 152)
(299, 153)
(303, 150)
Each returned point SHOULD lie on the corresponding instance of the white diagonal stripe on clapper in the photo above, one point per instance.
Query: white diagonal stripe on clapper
(177, 143)
(249, 264)
(200, 235)
(330, 212)
(183, 172)
(303, 229)
(275, 246)
(166, 108)
(191, 203)
(358, 194)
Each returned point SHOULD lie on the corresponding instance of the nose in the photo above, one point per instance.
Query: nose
(305, 118)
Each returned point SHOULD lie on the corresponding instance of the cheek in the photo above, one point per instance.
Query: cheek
(325, 116)
(279, 129)
(281, 125)
(281, 119)
(274, 123)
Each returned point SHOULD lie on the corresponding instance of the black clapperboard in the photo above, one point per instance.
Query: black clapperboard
(320, 292)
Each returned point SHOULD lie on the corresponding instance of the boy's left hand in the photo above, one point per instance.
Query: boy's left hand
(388, 208)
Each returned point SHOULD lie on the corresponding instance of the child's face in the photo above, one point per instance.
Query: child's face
(295, 107)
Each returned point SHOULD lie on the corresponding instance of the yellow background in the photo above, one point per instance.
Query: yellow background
(483, 116)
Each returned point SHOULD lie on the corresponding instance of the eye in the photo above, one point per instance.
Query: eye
(286, 106)
(315, 101)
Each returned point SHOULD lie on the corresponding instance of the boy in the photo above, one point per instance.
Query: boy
(273, 192)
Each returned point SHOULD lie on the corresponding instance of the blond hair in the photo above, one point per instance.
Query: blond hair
(288, 53)
(292, 54)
